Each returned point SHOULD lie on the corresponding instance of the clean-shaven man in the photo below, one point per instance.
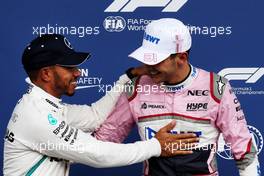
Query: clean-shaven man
(201, 102)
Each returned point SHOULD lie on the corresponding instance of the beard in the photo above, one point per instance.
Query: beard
(63, 87)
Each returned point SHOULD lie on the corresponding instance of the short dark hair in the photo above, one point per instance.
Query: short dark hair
(33, 74)
(173, 55)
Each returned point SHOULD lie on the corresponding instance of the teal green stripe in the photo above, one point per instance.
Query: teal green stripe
(32, 169)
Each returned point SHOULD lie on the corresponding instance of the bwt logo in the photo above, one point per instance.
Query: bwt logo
(114, 24)
(132, 5)
(151, 38)
(251, 75)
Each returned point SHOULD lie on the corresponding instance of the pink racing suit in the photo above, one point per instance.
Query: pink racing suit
(203, 104)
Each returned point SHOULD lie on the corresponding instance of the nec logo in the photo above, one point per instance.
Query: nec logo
(251, 75)
(132, 5)
(198, 92)
(151, 38)
(114, 24)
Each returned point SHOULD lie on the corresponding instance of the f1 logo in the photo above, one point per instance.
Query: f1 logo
(251, 75)
(132, 5)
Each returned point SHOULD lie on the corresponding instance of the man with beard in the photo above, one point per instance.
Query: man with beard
(201, 102)
(44, 134)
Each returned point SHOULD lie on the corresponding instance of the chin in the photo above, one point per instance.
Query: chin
(70, 94)
(157, 78)
(157, 81)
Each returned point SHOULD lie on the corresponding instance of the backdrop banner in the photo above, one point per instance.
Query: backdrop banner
(226, 37)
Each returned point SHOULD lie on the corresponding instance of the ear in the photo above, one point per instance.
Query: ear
(46, 74)
(183, 58)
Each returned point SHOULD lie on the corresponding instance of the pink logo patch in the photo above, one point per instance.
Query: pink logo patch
(178, 43)
(150, 57)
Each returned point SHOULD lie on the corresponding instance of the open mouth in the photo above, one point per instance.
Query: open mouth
(74, 83)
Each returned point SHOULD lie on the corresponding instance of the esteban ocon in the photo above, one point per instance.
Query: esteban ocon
(201, 102)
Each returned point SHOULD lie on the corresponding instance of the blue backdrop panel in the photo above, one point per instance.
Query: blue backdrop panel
(227, 37)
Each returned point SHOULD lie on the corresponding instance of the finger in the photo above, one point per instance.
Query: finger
(189, 146)
(183, 146)
(182, 152)
(169, 126)
(189, 140)
(184, 136)
(179, 139)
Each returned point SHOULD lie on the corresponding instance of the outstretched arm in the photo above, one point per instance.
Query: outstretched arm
(88, 118)
(118, 125)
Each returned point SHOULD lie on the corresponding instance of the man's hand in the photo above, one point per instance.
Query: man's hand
(175, 144)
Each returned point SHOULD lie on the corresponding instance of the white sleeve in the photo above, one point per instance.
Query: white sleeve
(88, 118)
(63, 141)
(249, 164)
(253, 169)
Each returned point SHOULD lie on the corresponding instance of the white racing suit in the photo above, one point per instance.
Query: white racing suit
(203, 104)
(44, 135)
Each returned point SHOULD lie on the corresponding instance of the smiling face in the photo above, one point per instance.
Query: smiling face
(64, 80)
(163, 71)
(56, 80)
(172, 70)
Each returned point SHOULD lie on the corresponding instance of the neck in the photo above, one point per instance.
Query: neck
(180, 74)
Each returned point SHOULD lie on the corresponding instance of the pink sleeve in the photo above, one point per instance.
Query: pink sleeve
(118, 124)
(232, 123)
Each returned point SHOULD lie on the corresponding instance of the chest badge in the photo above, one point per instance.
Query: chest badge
(52, 120)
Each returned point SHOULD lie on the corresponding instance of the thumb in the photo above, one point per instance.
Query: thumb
(169, 126)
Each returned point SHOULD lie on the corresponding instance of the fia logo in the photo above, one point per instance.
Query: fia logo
(114, 24)
(132, 5)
